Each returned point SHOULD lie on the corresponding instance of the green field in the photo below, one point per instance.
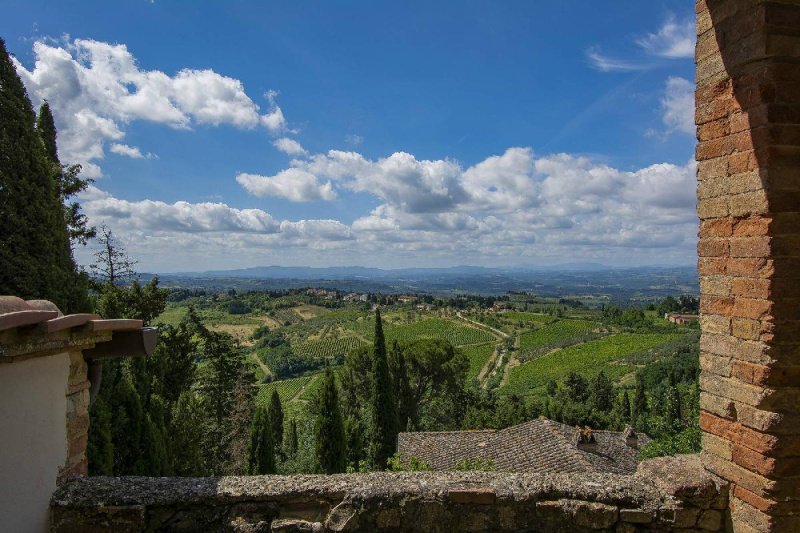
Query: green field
(429, 328)
(287, 389)
(524, 317)
(558, 334)
(313, 386)
(587, 359)
(327, 348)
(172, 316)
(477, 355)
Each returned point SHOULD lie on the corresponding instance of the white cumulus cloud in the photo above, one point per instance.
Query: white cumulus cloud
(289, 146)
(674, 39)
(293, 184)
(96, 89)
(128, 151)
(678, 105)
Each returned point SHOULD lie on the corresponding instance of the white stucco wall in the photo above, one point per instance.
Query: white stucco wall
(33, 442)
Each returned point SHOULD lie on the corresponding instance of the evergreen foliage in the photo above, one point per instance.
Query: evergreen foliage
(196, 388)
(401, 386)
(276, 420)
(639, 410)
(602, 393)
(672, 404)
(185, 435)
(625, 407)
(221, 363)
(383, 411)
(330, 447)
(100, 448)
(291, 439)
(240, 418)
(261, 455)
(35, 249)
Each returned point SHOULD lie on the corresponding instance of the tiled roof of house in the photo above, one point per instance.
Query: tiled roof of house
(540, 445)
(37, 327)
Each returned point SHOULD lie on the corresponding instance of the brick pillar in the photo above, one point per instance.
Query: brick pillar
(77, 418)
(748, 128)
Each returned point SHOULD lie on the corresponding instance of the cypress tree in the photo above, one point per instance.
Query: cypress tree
(185, 436)
(67, 179)
(276, 420)
(602, 393)
(100, 449)
(626, 406)
(240, 419)
(639, 403)
(383, 412)
(128, 423)
(329, 428)
(261, 455)
(74, 285)
(46, 127)
(672, 404)
(291, 441)
(402, 387)
(31, 219)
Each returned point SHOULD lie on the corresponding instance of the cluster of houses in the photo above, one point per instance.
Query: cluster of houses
(328, 294)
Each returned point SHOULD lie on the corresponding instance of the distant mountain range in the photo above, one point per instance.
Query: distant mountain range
(358, 272)
(573, 279)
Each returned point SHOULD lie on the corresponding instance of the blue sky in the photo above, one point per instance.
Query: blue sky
(232, 134)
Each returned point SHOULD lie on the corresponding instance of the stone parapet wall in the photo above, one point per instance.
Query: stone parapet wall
(673, 494)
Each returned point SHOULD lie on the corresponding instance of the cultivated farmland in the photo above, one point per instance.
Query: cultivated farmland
(587, 359)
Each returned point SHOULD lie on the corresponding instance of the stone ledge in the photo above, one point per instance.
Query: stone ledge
(430, 501)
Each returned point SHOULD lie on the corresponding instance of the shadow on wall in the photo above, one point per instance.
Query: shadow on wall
(748, 98)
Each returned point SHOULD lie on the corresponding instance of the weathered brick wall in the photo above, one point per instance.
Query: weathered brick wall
(668, 495)
(748, 128)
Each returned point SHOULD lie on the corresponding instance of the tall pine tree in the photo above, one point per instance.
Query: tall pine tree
(383, 412)
(329, 442)
(34, 243)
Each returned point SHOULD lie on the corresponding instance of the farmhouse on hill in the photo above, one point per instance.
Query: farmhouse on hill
(540, 445)
(678, 318)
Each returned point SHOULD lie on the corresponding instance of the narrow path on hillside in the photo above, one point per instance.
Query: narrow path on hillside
(499, 362)
(264, 368)
(487, 367)
(301, 390)
(479, 325)
(512, 362)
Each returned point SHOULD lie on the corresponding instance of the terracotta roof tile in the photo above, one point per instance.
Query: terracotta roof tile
(540, 445)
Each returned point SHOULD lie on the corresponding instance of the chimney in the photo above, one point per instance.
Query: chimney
(631, 438)
(584, 439)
